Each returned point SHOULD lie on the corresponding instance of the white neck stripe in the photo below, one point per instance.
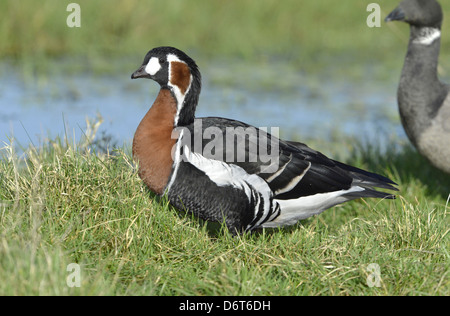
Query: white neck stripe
(427, 36)
(175, 89)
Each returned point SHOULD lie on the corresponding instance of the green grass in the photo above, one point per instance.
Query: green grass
(310, 35)
(65, 204)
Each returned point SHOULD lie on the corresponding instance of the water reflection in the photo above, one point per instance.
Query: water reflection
(303, 106)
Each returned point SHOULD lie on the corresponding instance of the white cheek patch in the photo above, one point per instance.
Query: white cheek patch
(153, 66)
(427, 36)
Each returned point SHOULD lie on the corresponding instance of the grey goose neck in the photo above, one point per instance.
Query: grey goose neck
(420, 92)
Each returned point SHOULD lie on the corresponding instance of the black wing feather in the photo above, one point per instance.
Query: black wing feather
(318, 173)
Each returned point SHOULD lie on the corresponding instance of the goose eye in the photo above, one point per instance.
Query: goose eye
(162, 61)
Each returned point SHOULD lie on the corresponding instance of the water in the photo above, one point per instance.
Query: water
(302, 106)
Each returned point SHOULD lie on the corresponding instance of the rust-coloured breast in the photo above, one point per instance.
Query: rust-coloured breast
(152, 143)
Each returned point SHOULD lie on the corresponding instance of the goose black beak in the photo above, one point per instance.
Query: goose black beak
(140, 73)
(397, 15)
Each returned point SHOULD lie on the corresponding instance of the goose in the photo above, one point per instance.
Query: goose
(423, 100)
(227, 171)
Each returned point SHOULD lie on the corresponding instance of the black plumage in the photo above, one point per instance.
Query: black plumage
(228, 171)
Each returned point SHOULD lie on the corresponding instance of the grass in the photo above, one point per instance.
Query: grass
(64, 204)
(310, 35)
(72, 203)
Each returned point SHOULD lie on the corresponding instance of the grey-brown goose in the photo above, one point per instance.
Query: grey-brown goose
(423, 100)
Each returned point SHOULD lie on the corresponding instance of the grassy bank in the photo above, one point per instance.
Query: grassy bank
(65, 204)
(310, 34)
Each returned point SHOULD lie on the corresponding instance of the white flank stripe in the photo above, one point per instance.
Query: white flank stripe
(307, 206)
(224, 174)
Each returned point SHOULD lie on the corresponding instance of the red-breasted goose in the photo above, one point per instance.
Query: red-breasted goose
(219, 169)
(423, 100)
